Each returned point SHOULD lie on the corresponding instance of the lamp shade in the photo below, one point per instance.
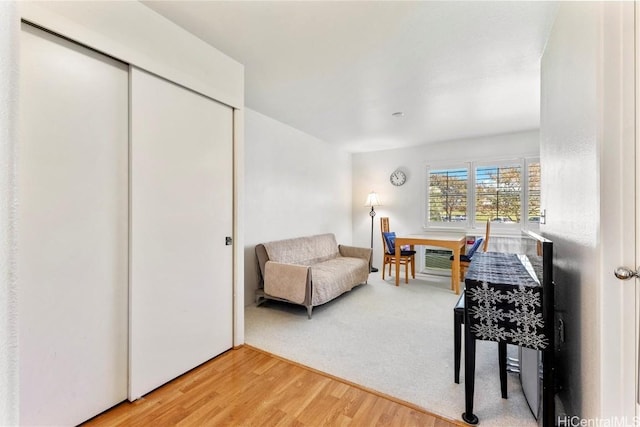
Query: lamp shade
(372, 200)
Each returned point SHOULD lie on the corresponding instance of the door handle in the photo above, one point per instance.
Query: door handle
(625, 273)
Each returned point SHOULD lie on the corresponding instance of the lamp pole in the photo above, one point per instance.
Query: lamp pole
(372, 214)
(372, 200)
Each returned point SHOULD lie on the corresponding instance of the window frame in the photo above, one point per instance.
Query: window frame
(499, 164)
(426, 208)
(533, 226)
(471, 168)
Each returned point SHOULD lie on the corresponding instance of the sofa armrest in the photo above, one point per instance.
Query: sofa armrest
(286, 281)
(355, 252)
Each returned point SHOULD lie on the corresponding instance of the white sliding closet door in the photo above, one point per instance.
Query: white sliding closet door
(181, 211)
(72, 260)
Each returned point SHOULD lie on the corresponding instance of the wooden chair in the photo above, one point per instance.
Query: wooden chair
(407, 258)
(465, 260)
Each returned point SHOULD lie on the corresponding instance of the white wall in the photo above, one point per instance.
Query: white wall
(587, 153)
(404, 205)
(295, 185)
(571, 194)
(8, 290)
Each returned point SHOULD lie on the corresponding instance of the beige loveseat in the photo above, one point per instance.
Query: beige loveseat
(310, 270)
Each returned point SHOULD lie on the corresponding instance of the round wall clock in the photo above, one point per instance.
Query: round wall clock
(398, 178)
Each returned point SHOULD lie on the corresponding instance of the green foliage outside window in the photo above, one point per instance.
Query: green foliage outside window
(448, 195)
(499, 193)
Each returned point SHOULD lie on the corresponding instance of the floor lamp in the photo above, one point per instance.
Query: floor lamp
(372, 200)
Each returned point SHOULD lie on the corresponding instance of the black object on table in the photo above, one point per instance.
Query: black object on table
(503, 303)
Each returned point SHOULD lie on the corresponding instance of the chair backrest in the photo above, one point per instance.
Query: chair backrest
(384, 228)
(384, 224)
(486, 237)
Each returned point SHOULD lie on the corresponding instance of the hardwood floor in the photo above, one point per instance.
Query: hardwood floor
(248, 387)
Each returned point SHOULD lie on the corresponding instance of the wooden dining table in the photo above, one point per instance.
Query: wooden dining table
(454, 241)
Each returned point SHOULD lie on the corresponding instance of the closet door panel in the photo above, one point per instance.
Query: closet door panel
(181, 211)
(72, 262)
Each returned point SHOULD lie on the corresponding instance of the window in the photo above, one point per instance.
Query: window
(533, 187)
(498, 193)
(503, 192)
(448, 191)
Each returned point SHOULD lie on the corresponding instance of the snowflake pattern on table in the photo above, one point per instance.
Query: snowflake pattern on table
(503, 302)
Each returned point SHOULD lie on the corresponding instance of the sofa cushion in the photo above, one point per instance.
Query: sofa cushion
(303, 250)
(336, 276)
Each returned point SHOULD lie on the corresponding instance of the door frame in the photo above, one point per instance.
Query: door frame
(619, 204)
(632, 308)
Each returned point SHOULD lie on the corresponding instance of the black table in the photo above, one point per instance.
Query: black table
(503, 303)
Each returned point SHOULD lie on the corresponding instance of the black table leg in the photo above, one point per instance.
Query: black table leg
(457, 344)
(502, 362)
(469, 374)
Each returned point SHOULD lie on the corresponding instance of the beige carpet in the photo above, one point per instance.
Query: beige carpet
(397, 340)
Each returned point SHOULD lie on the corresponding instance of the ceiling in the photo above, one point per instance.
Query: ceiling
(338, 70)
